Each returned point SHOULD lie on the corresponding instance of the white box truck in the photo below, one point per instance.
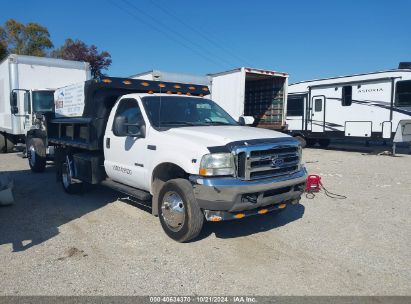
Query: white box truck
(27, 86)
(252, 92)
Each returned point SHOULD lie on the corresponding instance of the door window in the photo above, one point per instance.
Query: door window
(129, 109)
(318, 105)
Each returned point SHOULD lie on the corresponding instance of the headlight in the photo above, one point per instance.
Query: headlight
(217, 164)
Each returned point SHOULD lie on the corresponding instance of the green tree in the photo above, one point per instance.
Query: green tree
(30, 39)
(78, 50)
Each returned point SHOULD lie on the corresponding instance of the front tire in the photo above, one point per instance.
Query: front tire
(180, 216)
(36, 154)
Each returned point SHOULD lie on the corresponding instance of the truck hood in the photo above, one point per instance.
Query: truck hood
(221, 135)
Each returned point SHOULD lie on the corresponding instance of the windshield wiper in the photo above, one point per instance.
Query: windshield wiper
(221, 123)
(185, 123)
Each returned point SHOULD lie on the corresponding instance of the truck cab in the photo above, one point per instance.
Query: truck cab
(182, 153)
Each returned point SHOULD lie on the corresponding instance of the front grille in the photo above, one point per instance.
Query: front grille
(267, 161)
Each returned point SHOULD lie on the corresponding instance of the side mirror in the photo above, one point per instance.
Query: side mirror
(27, 104)
(246, 120)
(122, 129)
(13, 103)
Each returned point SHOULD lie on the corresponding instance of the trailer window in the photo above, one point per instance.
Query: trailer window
(318, 105)
(295, 106)
(346, 96)
(403, 93)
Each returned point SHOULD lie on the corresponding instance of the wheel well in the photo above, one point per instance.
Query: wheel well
(161, 174)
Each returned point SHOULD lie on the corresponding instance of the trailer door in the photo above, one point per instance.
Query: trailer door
(317, 113)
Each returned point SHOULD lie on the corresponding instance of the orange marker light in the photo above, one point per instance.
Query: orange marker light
(215, 218)
(177, 86)
(192, 88)
(205, 89)
(169, 92)
(201, 95)
(106, 80)
(203, 171)
(162, 85)
(188, 93)
(179, 93)
(282, 206)
(127, 82)
(145, 84)
(150, 92)
(262, 211)
(239, 215)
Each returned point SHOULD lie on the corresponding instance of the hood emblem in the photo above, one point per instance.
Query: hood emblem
(277, 162)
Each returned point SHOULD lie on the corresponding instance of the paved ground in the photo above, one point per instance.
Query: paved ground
(55, 244)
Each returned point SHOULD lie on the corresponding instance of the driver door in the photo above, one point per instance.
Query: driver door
(126, 156)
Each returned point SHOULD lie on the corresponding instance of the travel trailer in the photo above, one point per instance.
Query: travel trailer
(373, 106)
(27, 86)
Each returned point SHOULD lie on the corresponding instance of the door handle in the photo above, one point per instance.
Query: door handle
(108, 142)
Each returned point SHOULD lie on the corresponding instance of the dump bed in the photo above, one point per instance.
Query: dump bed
(82, 110)
(252, 92)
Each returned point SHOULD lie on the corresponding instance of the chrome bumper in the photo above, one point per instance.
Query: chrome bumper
(233, 194)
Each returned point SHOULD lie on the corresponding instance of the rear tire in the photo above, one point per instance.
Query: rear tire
(311, 142)
(36, 154)
(302, 140)
(70, 184)
(6, 143)
(180, 216)
(324, 142)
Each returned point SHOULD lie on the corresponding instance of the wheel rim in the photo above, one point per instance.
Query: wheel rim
(66, 173)
(32, 156)
(173, 211)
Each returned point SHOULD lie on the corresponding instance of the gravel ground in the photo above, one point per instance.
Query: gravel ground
(52, 243)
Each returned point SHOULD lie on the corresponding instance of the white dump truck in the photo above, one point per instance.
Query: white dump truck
(164, 143)
(27, 86)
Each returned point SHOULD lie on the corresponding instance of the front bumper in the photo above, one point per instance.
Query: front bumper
(233, 195)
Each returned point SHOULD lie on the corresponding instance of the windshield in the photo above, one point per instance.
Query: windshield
(43, 101)
(179, 111)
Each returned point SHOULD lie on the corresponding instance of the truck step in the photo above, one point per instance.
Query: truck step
(136, 193)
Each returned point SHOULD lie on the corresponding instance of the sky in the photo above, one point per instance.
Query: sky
(307, 39)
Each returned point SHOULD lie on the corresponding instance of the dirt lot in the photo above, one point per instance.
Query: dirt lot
(94, 244)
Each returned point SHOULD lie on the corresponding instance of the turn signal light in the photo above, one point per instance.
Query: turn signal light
(145, 84)
(215, 218)
(282, 206)
(127, 82)
(262, 211)
(106, 80)
(239, 215)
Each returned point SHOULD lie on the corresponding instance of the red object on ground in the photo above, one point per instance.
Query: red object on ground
(313, 183)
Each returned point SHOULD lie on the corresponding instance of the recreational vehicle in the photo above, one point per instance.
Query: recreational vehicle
(371, 106)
